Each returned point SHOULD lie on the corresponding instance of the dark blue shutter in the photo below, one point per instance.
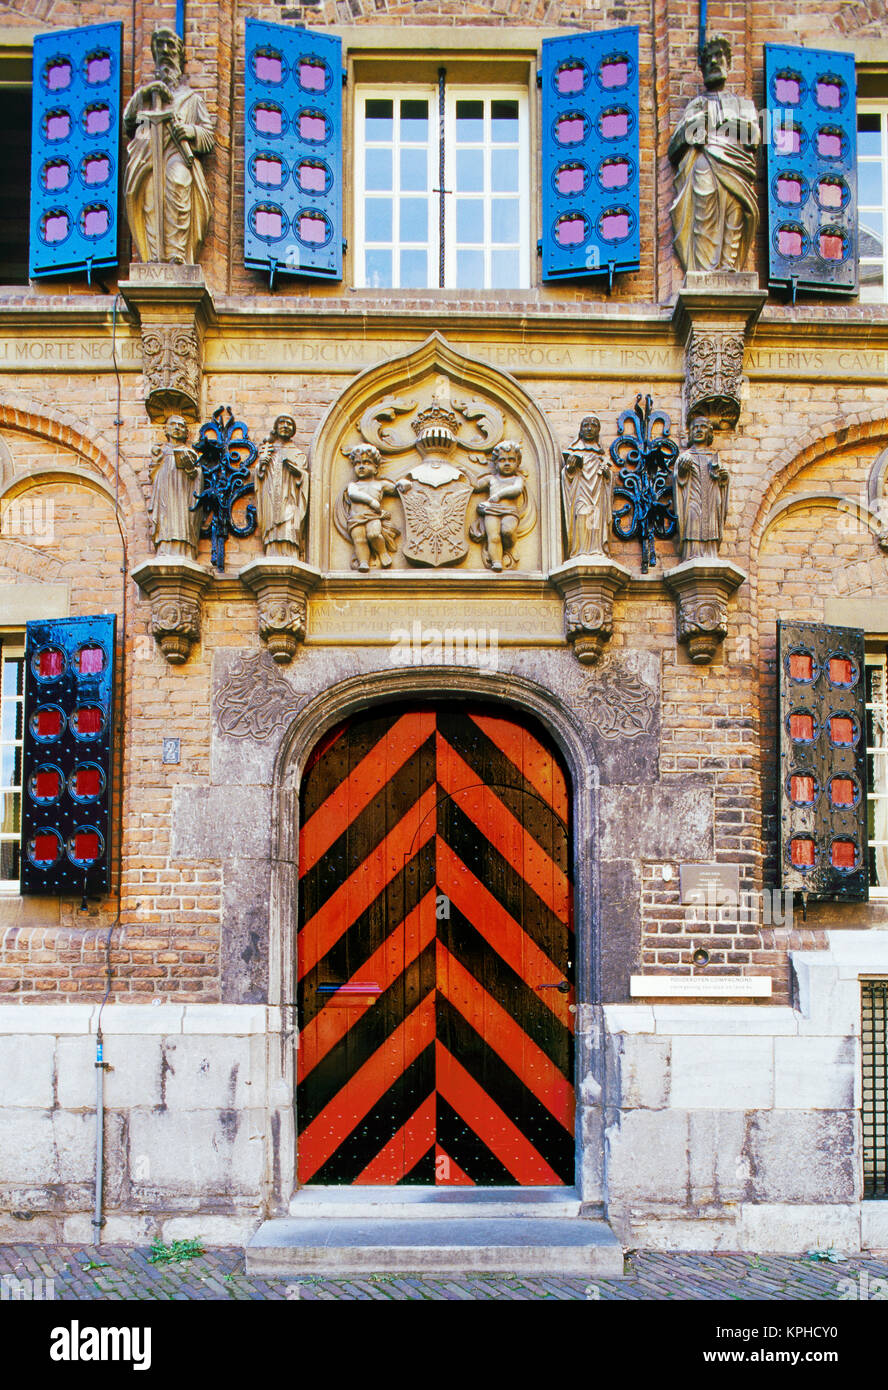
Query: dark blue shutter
(75, 147)
(66, 756)
(812, 168)
(590, 204)
(293, 152)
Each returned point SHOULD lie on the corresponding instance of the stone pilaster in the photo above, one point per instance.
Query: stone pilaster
(173, 306)
(702, 589)
(175, 586)
(281, 587)
(588, 585)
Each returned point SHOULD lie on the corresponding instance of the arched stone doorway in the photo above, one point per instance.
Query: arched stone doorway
(435, 954)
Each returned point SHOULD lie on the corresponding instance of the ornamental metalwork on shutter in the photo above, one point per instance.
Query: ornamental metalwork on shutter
(822, 792)
(293, 152)
(66, 756)
(75, 143)
(590, 148)
(812, 168)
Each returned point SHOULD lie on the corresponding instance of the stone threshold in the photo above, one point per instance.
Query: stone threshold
(440, 1230)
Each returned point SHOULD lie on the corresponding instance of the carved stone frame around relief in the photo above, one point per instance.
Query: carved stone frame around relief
(399, 376)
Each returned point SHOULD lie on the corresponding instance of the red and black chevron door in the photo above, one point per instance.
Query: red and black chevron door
(435, 953)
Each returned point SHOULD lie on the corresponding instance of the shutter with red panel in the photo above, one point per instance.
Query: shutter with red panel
(822, 792)
(66, 756)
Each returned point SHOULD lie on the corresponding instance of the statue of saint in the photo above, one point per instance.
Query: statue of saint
(281, 491)
(715, 213)
(167, 202)
(176, 475)
(500, 516)
(362, 515)
(587, 489)
(700, 490)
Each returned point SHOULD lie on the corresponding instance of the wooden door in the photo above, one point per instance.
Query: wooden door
(435, 953)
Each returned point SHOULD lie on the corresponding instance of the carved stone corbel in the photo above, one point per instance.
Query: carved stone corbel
(173, 307)
(702, 589)
(281, 587)
(714, 316)
(588, 586)
(175, 586)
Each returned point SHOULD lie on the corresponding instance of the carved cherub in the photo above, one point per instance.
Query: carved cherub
(370, 528)
(499, 517)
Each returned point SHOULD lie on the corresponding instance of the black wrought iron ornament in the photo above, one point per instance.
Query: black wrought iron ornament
(226, 456)
(645, 456)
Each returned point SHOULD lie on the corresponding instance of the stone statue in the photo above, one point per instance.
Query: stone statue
(176, 476)
(167, 202)
(715, 213)
(281, 491)
(587, 489)
(500, 516)
(700, 488)
(372, 531)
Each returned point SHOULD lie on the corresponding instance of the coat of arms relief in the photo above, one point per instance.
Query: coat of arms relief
(436, 482)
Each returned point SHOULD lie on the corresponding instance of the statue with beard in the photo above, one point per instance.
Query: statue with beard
(715, 212)
(167, 202)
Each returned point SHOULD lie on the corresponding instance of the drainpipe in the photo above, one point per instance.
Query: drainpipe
(101, 1064)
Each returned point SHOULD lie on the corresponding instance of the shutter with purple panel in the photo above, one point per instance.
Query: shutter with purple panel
(590, 149)
(811, 166)
(293, 152)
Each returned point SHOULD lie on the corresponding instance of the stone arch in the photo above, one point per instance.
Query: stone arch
(411, 377)
(362, 692)
(97, 469)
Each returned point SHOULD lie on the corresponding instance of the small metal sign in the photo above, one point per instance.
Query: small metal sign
(170, 753)
(718, 884)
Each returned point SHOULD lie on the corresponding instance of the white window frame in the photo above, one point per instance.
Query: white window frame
(454, 92)
(12, 646)
(878, 661)
(873, 295)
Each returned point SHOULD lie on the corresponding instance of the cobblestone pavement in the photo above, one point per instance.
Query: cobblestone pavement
(124, 1272)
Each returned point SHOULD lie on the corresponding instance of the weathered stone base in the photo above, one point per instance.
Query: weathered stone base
(702, 1127)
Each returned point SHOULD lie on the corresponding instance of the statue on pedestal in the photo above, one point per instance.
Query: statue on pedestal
(281, 491)
(167, 202)
(700, 487)
(176, 476)
(715, 212)
(587, 489)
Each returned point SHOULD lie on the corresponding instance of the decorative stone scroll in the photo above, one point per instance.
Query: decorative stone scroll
(175, 586)
(172, 365)
(714, 376)
(702, 589)
(281, 587)
(588, 585)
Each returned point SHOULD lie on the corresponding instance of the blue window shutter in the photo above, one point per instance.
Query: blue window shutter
(75, 149)
(590, 202)
(812, 168)
(67, 756)
(293, 152)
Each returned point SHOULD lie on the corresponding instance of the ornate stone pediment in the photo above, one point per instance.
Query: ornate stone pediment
(434, 461)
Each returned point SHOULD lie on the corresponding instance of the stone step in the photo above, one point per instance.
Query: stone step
(343, 1245)
(433, 1203)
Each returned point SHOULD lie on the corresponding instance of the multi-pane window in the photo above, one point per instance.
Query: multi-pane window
(874, 1096)
(872, 192)
(12, 662)
(877, 761)
(410, 235)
